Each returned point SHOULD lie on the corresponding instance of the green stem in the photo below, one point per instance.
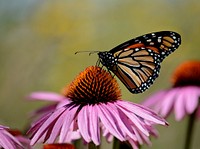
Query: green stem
(121, 145)
(190, 129)
(116, 144)
(91, 145)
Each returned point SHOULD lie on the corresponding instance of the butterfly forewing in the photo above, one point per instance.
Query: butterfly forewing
(137, 62)
(163, 43)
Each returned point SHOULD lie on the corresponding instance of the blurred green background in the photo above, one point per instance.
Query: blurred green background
(38, 40)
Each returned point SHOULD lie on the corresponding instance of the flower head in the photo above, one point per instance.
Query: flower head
(183, 97)
(93, 86)
(93, 104)
(187, 74)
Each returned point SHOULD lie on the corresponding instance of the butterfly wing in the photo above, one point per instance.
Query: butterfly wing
(138, 60)
(163, 43)
(138, 69)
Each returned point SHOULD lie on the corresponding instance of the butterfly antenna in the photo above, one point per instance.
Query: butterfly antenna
(90, 52)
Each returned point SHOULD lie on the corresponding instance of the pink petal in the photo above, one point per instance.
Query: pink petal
(143, 112)
(179, 106)
(8, 141)
(57, 127)
(192, 95)
(3, 127)
(134, 144)
(137, 134)
(72, 135)
(38, 124)
(68, 120)
(40, 132)
(83, 123)
(109, 122)
(154, 99)
(44, 110)
(112, 111)
(122, 120)
(109, 137)
(94, 125)
(46, 96)
(167, 104)
(135, 120)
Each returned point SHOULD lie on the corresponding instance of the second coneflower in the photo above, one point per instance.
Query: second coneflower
(93, 105)
(182, 98)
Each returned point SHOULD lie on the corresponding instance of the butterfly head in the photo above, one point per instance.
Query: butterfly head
(107, 59)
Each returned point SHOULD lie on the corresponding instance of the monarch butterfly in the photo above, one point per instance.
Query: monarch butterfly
(137, 62)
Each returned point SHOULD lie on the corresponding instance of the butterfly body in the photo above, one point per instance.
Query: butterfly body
(107, 59)
(137, 62)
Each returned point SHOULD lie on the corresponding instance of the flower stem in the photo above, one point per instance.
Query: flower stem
(120, 145)
(91, 145)
(116, 144)
(190, 129)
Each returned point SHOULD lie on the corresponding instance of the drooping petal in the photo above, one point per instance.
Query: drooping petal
(68, 120)
(167, 104)
(109, 122)
(94, 124)
(123, 121)
(5, 142)
(154, 99)
(48, 96)
(142, 112)
(50, 121)
(83, 124)
(134, 144)
(8, 141)
(179, 106)
(135, 120)
(38, 124)
(192, 95)
(57, 127)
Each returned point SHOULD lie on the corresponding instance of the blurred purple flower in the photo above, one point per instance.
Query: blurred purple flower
(93, 103)
(183, 97)
(7, 140)
(22, 139)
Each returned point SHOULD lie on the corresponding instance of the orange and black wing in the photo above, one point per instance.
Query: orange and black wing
(137, 68)
(138, 60)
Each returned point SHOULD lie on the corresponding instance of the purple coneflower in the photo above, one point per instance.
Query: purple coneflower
(93, 104)
(7, 140)
(182, 97)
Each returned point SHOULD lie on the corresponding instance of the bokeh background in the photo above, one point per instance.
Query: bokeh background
(38, 40)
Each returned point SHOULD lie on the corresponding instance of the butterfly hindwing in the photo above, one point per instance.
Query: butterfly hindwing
(137, 69)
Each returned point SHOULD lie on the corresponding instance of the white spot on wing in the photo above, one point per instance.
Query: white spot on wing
(149, 40)
(159, 40)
